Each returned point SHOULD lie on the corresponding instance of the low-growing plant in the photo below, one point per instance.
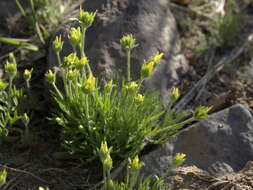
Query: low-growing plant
(43, 15)
(90, 111)
(228, 26)
(133, 179)
(11, 98)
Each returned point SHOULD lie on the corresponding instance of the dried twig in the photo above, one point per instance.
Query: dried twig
(25, 172)
(212, 71)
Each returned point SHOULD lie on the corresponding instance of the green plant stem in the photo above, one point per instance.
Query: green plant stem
(57, 90)
(21, 9)
(176, 126)
(27, 85)
(58, 58)
(10, 94)
(87, 108)
(127, 176)
(104, 177)
(82, 46)
(133, 179)
(128, 65)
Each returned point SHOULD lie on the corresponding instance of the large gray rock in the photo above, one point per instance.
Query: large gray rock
(9, 8)
(223, 143)
(152, 24)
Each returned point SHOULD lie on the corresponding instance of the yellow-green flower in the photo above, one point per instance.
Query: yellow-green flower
(139, 98)
(72, 74)
(108, 86)
(157, 58)
(128, 42)
(12, 58)
(86, 19)
(71, 60)
(3, 176)
(82, 62)
(25, 119)
(135, 164)
(178, 159)
(75, 36)
(104, 151)
(59, 121)
(50, 76)
(90, 84)
(147, 69)
(133, 85)
(201, 112)
(3, 85)
(57, 44)
(175, 94)
(27, 74)
(11, 69)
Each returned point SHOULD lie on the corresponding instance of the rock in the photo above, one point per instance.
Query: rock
(193, 178)
(9, 8)
(152, 24)
(223, 143)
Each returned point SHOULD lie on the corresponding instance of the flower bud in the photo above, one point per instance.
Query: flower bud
(41, 188)
(108, 86)
(3, 85)
(107, 163)
(75, 36)
(178, 159)
(175, 94)
(12, 58)
(57, 44)
(25, 119)
(71, 60)
(82, 62)
(72, 74)
(110, 185)
(147, 69)
(86, 19)
(104, 151)
(50, 76)
(135, 164)
(59, 121)
(11, 69)
(157, 58)
(90, 84)
(139, 98)
(201, 112)
(128, 42)
(133, 86)
(27, 74)
(3, 176)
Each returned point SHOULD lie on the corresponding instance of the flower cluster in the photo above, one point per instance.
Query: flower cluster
(148, 67)
(128, 42)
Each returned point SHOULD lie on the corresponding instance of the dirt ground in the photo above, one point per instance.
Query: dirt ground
(32, 166)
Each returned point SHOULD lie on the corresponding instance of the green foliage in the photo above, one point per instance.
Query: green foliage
(11, 99)
(3, 176)
(228, 26)
(90, 111)
(133, 179)
(42, 15)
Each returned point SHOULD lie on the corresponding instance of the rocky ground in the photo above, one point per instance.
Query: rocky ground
(219, 150)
